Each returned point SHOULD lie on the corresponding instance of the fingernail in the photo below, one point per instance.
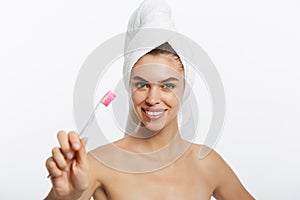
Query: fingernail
(69, 155)
(76, 146)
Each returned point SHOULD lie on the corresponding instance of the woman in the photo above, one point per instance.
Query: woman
(157, 85)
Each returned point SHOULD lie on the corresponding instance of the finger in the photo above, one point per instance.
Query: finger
(59, 158)
(84, 141)
(82, 151)
(52, 168)
(74, 141)
(64, 144)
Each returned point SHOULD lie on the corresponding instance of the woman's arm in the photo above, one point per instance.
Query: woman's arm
(227, 184)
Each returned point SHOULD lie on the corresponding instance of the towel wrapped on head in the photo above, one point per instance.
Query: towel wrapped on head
(150, 26)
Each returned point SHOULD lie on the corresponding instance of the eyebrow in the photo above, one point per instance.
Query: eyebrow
(163, 81)
(169, 79)
(138, 78)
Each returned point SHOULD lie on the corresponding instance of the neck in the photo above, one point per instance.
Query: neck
(149, 141)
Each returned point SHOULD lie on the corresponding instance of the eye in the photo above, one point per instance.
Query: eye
(141, 85)
(168, 86)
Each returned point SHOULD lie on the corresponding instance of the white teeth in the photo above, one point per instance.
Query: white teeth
(154, 113)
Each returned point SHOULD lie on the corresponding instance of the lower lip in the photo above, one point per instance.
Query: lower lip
(153, 117)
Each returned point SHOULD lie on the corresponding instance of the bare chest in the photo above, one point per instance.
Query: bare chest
(172, 183)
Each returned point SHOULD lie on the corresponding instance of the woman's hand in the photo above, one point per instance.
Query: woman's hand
(68, 167)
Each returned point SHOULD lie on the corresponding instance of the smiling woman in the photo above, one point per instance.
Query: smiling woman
(157, 84)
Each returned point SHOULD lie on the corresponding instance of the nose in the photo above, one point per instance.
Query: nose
(153, 96)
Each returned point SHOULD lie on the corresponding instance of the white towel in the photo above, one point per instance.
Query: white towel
(149, 26)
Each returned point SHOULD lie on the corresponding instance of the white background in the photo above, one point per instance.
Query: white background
(254, 44)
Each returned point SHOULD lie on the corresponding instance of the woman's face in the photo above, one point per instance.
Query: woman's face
(157, 86)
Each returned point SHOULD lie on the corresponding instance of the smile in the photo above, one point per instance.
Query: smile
(154, 114)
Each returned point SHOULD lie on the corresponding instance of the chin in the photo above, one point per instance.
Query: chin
(156, 125)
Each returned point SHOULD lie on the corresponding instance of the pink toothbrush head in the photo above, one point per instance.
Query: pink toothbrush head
(108, 97)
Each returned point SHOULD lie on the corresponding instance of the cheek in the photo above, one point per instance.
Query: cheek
(175, 97)
(173, 100)
(137, 98)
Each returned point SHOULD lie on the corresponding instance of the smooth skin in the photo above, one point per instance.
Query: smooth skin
(76, 174)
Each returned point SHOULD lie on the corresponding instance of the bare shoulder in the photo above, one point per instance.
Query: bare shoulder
(226, 183)
(210, 162)
(104, 158)
(206, 154)
(99, 171)
(210, 158)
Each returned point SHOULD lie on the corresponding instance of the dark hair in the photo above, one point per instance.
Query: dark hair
(166, 49)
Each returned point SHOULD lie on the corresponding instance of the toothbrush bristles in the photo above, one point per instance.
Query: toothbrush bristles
(108, 97)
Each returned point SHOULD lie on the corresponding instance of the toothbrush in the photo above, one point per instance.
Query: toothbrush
(106, 100)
